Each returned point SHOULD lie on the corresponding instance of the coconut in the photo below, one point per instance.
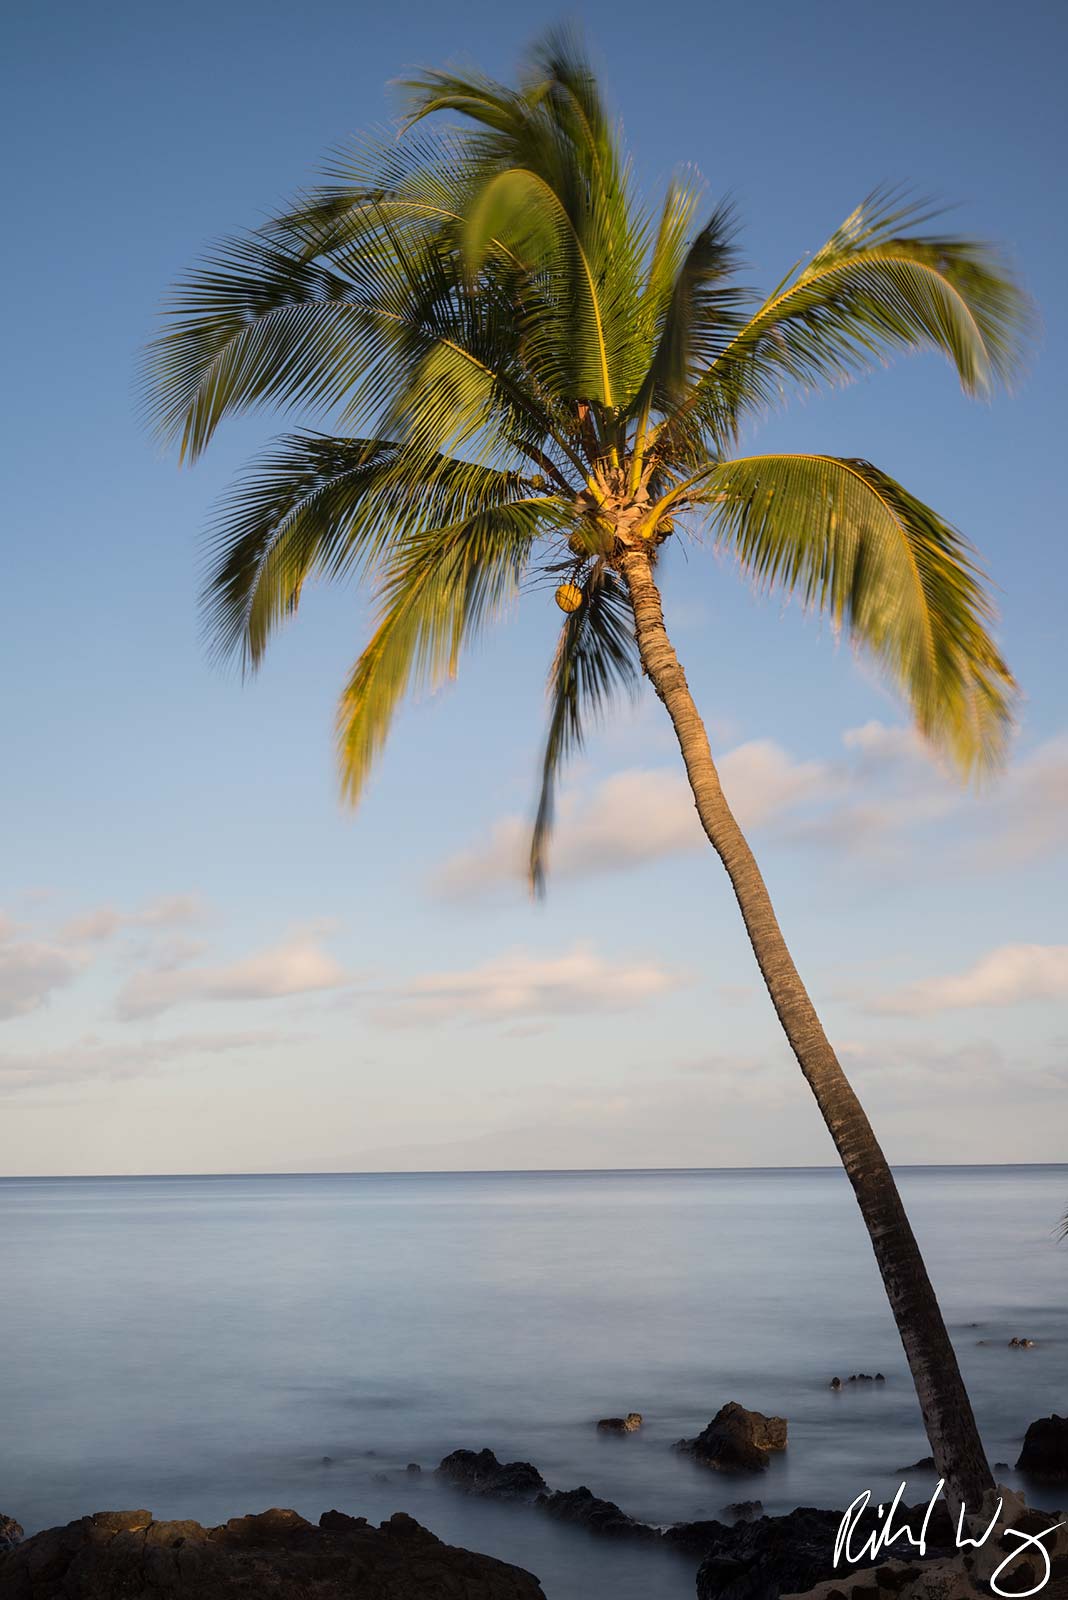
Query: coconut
(569, 597)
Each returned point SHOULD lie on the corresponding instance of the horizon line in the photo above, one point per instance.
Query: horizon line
(514, 1172)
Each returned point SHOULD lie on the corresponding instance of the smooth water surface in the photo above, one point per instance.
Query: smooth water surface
(199, 1345)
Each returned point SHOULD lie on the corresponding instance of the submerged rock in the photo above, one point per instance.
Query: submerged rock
(744, 1510)
(752, 1557)
(737, 1440)
(1045, 1448)
(274, 1556)
(628, 1424)
(479, 1472)
(600, 1516)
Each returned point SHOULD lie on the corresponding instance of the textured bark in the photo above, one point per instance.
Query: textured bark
(947, 1412)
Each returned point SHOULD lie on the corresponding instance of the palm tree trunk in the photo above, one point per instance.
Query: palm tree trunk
(947, 1412)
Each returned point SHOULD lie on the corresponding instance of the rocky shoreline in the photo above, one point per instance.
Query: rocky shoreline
(759, 1557)
(753, 1556)
(278, 1555)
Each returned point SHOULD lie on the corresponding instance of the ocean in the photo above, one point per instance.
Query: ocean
(208, 1346)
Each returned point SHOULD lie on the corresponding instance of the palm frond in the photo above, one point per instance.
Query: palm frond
(259, 324)
(316, 505)
(442, 586)
(418, 185)
(566, 336)
(695, 312)
(595, 657)
(905, 585)
(872, 288)
(552, 177)
(255, 323)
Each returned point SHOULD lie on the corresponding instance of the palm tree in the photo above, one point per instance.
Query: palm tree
(530, 376)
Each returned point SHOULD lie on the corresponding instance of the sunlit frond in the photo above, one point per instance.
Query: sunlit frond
(696, 310)
(554, 187)
(315, 505)
(435, 595)
(874, 287)
(853, 543)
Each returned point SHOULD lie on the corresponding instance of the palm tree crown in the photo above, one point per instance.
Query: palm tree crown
(531, 371)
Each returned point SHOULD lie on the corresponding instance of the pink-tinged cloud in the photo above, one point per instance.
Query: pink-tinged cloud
(103, 922)
(637, 816)
(519, 985)
(299, 965)
(31, 970)
(1009, 975)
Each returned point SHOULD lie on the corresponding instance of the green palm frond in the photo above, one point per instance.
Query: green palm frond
(416, 185)
(853, 543)
(694, 311)
(315, 505)
(595, 657)
(552, 185)
(875, 286)
(440, 589)
(700, 312)
(672, 241)
(566, 332)
(261, 324)
(255, 323)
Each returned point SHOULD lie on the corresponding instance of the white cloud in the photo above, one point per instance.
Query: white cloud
(638, 816)
(299, 965)
(881, 745)
(762, 782)
(629, 818)
(31, 970)
(523, 985)
(90, 1058)
(1007, 976)
(875, 804)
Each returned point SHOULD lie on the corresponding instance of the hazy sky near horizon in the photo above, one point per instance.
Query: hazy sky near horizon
(205, 964)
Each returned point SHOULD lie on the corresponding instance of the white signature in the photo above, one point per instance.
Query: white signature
(888, 1534)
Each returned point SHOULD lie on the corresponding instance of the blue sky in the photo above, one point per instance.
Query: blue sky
(204, 963)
